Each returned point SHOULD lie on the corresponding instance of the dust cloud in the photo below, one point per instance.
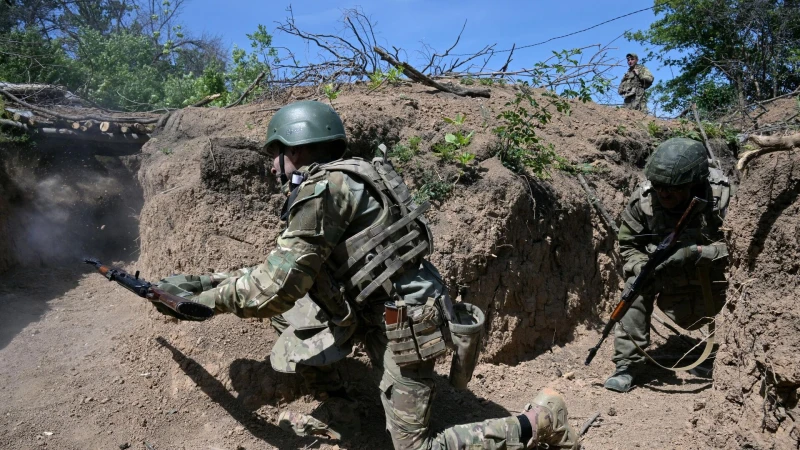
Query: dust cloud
(61, 206)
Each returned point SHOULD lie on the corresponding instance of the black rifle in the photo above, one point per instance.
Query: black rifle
(186, 309)
(663, 251)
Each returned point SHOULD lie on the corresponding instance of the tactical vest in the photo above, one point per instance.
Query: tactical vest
(704, 229)
(398, 239)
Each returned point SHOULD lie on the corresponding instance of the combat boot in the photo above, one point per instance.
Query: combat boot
(336, 418)
(551, 426)
(621, 380)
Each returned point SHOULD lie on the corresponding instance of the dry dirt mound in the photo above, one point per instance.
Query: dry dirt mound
(529, 252)
(754, 402)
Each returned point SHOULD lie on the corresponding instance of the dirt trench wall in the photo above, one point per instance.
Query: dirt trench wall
(754, 400)
(533, 255)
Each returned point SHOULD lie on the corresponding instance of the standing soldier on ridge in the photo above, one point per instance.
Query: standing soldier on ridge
(633, 84)
(351, 263)
(690, 285)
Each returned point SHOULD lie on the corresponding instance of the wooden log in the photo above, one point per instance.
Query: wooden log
(116, 138)
(139, 128)
(419, 77)
(48, 112)
(14, 124)
(768, 144)
(105, 127)
(124, 129)
(207, 100)
(88, 124)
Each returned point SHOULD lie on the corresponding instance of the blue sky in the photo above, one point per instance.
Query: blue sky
(409, 23)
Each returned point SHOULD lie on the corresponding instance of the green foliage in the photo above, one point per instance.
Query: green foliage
(520, 147)
(404, 153)
(467, 80)
(329, 90)
(393, 76)
(451, 149)
(166, 150)
(728, 53)
(27, 56)
(433, 189)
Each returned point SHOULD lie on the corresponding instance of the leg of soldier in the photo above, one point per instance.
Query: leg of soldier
(637, 323)
(336, 417)
(407, 396)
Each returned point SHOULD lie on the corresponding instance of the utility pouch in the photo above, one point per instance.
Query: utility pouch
(415, 333)
(466, 333)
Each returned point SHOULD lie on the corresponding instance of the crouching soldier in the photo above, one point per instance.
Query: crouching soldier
(689, 287)
(349, 263)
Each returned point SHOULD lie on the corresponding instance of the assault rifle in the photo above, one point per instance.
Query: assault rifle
(187, 310)
(663, 251)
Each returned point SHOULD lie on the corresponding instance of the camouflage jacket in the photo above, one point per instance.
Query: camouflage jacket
(635, 84)
(328, 210)
(645, 223)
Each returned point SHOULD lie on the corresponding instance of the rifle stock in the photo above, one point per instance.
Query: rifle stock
(188, 310)
(630, 293)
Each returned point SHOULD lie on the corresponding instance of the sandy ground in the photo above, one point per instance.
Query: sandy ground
(80, 368)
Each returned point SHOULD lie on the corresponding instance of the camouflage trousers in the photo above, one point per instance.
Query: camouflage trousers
(407, 395)
(686, 307)
(636, 102)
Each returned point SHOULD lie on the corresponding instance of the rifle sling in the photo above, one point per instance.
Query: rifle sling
(708, 299)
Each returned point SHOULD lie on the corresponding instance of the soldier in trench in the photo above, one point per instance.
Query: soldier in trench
(349, 263)
(677, 171)
(633, 84)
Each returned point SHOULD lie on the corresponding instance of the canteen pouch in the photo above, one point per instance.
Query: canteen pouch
(414, 332)
(466, 334)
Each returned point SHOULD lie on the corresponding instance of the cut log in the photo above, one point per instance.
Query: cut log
(67, 134)
(88, 124)
(12, 123)
(124, 129)
(48, 112)
(105, 127)
(42, 92)
(75, 125)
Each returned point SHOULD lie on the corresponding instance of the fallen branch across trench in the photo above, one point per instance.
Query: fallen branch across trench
(415, 75)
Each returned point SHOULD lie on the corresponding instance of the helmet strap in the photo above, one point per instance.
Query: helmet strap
(284, 178)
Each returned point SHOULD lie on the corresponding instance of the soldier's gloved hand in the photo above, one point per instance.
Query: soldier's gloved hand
(634, 267)
(712, 252)
(679, 257)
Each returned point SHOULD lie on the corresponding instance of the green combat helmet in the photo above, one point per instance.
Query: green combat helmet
(677, 161)
(305, 122)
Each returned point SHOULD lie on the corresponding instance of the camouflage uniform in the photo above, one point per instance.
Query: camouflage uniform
(676, 288)
(633, 85)
(327, 211)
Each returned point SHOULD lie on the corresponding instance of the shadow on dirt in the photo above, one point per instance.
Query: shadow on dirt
(450, 407)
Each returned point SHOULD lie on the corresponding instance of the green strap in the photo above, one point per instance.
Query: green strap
(708, 299)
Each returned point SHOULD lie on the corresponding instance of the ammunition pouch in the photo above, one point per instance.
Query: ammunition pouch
(414, 332)
(466, 333)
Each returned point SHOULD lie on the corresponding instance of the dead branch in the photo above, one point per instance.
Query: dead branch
(208, 99)
(705, 138)
(588, 424)
(98, 117)
(768, 144)
(417, 76)
(247, 91)
(776, 142)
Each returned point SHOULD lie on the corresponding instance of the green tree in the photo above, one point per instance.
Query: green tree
(729, 52)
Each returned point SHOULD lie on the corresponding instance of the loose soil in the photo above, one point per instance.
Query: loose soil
(86, 364)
